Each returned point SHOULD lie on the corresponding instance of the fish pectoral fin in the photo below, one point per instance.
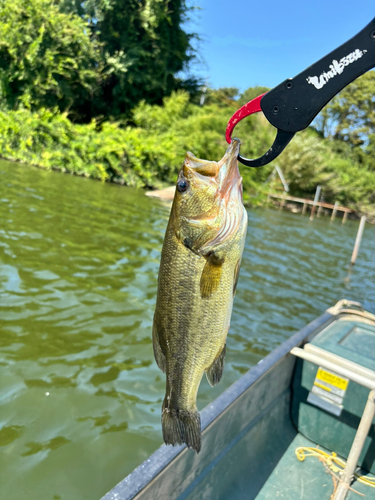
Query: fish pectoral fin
(158, 353)
(236, 275)
(215, 371)
(211, 275)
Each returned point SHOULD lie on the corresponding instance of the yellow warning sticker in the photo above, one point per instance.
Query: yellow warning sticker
(332, 379)
(322, 386)
(328, 391)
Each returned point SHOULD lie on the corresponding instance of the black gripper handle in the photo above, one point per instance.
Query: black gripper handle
(292, 105)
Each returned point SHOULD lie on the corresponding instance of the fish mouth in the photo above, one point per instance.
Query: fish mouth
(229, 178)
(224, 173)
(203, 169)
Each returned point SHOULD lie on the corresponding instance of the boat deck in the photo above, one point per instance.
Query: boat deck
(251, 431)
(307, 480)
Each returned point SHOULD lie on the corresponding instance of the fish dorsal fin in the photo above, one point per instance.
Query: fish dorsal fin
(211, 276)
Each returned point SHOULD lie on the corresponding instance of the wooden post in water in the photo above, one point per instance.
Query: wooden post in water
(358, 239)
(282, 178)
(316, 199)
(304, 208)
(283, 200)
(270, 189)
(320, 208)
(334, 211)
(344, 219)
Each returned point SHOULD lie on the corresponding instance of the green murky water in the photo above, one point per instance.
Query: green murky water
(80, 393)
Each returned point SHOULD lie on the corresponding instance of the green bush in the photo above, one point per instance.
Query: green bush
(46, 57)
(150, 152)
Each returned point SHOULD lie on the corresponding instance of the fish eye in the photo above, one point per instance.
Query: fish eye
(182, 185)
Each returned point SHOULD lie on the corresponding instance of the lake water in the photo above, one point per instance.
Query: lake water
(80, 393)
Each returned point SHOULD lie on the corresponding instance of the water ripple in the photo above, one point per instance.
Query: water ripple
(80, 392)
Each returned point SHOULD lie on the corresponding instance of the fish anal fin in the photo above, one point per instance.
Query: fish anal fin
(158, 353)
(211, 275)
(215, 371)
(236, 275)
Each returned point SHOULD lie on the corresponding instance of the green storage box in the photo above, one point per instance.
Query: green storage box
(326, 408)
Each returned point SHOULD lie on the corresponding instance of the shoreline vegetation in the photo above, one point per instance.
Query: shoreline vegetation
(95, 89)
(147, 151)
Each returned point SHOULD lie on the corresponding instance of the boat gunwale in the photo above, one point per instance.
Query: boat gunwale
(143, 476)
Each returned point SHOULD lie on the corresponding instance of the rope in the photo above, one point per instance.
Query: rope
(334, 463)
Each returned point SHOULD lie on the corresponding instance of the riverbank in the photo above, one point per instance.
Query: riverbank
(149, 152)
(278, 201)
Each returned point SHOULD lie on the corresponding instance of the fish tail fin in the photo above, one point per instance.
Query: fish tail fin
(181, 426)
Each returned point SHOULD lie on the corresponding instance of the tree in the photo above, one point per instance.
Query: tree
(350, 116)
(250, 94)
(96, 58)
(144, 48)
(46, 57)
(224, 96)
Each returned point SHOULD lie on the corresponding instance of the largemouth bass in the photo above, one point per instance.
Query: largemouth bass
(199, 268)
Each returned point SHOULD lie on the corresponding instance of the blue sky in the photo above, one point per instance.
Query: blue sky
(247, 43)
